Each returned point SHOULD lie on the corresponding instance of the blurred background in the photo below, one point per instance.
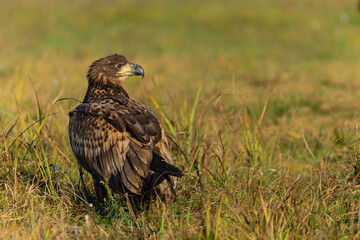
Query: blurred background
(276, 45)
(299, 58)
(271, 86)
(303, 51)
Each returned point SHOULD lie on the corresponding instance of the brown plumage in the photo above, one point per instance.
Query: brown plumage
(118, 140)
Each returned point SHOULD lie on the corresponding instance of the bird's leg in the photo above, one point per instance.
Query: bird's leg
(166, 190)
(100, 190)
(132, 214)
(81, 171)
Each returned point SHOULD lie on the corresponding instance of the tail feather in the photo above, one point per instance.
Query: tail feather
(158, 165)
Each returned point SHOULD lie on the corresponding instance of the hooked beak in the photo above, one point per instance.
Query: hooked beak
(137, 70)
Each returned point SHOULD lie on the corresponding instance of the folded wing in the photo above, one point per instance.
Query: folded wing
(120, 141)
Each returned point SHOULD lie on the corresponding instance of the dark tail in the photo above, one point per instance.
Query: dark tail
(159, 166)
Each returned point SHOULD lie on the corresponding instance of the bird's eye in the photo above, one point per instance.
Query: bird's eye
(118, 65)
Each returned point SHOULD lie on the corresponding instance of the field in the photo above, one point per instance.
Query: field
(259, 99)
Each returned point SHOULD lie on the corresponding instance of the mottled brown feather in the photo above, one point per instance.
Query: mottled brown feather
(118, 140)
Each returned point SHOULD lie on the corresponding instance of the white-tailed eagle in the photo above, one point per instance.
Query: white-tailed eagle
(118, 140)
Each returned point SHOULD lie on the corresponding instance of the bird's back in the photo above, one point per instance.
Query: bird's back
(120, 141)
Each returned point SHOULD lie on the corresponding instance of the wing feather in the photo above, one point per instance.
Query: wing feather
(115, 139)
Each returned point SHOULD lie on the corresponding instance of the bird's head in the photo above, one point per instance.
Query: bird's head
(113, 69)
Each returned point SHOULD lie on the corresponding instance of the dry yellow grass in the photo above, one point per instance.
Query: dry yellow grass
(259, 100)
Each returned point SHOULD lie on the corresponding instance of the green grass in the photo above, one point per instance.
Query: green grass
(259, 100)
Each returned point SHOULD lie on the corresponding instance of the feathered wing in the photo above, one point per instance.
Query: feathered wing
(120, 141)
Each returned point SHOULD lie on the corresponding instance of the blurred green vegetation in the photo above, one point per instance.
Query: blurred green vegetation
(259, 100)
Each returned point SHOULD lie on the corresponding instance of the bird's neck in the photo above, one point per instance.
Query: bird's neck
(103, 91)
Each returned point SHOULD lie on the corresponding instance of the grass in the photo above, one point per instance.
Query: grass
(259, 100)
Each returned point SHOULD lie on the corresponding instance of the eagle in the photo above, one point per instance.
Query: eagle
(117, 140)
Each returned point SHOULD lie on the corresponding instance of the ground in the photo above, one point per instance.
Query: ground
(260, 100)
